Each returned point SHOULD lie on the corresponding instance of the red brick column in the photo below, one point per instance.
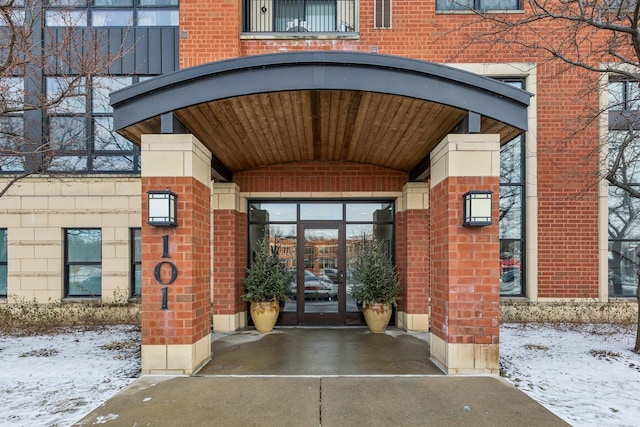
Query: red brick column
(413, 243)
(229, 258)
(176, 328)
(465, 309)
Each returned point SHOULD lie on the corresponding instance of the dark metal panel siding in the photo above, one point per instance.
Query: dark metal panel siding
(154, 51)
(144, 50)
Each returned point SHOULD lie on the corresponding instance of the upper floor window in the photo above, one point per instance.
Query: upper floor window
(112, 13)
(299, 16)
(481, 5)
(11, 123)
(15, 16)
(80, 126)
(382, 14)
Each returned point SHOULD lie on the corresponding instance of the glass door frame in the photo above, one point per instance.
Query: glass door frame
(287, 214)
(321, 318)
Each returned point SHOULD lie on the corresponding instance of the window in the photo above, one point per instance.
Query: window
(136, 262)
(83, 262)
(382, 14)
(624, 210)
(82, 138)
(298, 16)
(111, 151)
(362, 220)
(11, 123)
(112, 13)
(511, 223)
(3, 262)
(466, 5)
(15, 15)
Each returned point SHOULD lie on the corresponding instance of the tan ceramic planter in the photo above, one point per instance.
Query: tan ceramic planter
(377, 317)
(264, 315)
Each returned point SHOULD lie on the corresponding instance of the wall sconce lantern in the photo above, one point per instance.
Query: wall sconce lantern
(476, 208)
(163, 208)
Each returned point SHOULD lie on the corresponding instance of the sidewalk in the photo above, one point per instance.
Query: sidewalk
(321, 377)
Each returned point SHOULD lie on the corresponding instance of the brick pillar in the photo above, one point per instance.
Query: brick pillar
(465, 308)
(229, 257)
(176, 339)
(413, 268)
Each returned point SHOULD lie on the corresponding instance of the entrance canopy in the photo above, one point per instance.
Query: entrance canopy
(334, 106)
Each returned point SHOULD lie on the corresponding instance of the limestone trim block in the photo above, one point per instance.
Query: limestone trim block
(184, 359)
(226, 196)
(417, 322)
(415, 195)
(465, 155)
(229, 322)
(465, 359)
(174, 155)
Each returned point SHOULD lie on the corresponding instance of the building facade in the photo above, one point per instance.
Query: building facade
(322, 123)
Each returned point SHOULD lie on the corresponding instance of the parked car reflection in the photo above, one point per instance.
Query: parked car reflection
(314, 288)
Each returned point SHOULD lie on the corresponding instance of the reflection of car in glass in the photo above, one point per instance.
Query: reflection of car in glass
(509, 267)
(314, 288)
(331, 273)
(331, 284)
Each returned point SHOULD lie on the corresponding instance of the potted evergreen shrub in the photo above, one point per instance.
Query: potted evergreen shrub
(378, 286)
(265, 285)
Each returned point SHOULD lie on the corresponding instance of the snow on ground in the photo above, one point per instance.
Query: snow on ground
(54, 380)
(586, 374)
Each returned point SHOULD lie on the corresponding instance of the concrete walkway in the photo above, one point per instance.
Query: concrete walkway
(321, 377)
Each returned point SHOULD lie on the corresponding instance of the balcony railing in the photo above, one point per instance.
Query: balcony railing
(299, 16)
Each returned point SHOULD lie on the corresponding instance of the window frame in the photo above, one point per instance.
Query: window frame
(86, 157)
(4, 261)
(84, 12)
(476, 6)
(136, 264)
(68, 265)
(507, 265)
(18, 115)
(382, 14)
(629, 106)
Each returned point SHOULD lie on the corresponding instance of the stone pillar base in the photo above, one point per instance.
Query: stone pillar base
(179, 359)
(229, 322)
(412, 322)
(465, 359)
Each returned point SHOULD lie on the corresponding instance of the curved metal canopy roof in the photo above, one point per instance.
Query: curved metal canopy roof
(260, 110)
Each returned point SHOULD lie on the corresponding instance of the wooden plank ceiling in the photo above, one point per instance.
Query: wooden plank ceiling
(248, 132)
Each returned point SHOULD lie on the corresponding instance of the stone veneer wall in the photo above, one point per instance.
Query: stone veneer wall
(35, 212)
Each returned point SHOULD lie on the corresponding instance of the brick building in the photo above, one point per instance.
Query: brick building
(322, 123)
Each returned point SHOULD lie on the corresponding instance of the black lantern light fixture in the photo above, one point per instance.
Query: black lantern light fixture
(163, 208)
(476, 208)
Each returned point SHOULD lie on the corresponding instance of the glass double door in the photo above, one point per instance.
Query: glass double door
(318, 294)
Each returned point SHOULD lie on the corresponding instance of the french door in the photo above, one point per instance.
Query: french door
(318, 242)
(320, 288)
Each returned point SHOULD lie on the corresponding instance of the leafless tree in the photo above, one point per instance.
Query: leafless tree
(601, 40)
(29, 51)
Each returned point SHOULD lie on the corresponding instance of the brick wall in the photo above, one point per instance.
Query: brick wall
(320, 177)
(187, 318)
(567, 144)
(464, 267)
(418, 264)
(229, 260)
